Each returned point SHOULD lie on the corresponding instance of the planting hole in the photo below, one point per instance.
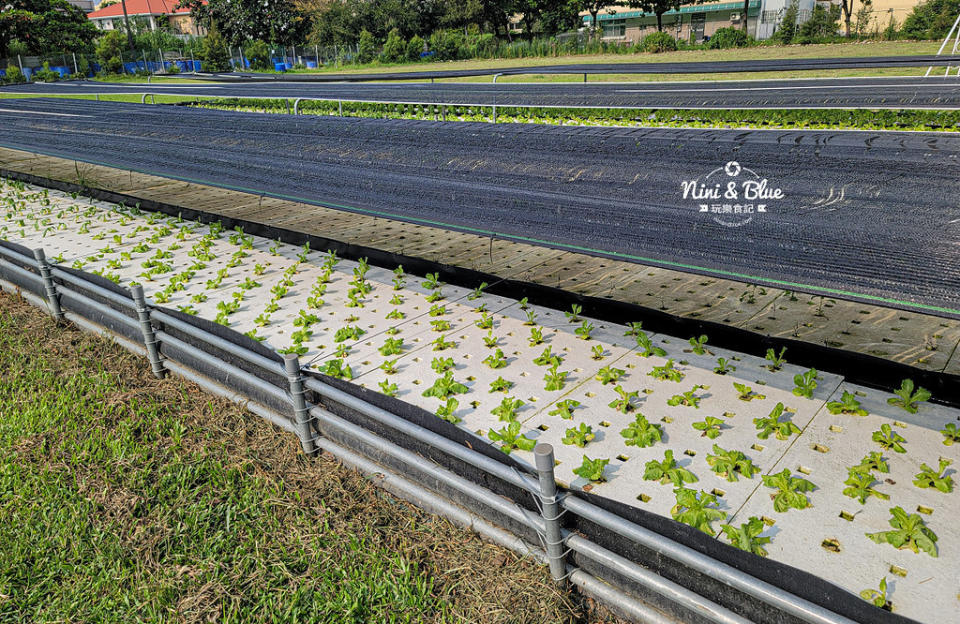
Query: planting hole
(820, 448)
(623, 458)
(833, 545)
(803, 470)
(604, 423)
(643, 498)
(768, 521)
(690, 452)
(666, 419)
(846, 515)
(902, 425)
(895, 569)
(717, 492)
(924, 509)
(836, 428)
(757, 447)
(543, 427)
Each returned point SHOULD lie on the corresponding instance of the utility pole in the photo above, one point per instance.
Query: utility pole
(126, 22)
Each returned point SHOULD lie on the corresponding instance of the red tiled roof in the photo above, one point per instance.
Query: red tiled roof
(140, 7)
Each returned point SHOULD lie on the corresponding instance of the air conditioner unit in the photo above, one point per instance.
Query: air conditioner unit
(734, 17)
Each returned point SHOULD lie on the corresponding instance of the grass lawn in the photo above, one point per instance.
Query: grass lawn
(118, 97)
(124, 499)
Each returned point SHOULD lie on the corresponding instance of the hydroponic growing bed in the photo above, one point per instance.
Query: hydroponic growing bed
(853, 484)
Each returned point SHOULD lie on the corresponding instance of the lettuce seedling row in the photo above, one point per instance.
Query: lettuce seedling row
(607, 416)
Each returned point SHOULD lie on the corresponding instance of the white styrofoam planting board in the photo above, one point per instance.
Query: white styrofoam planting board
(929, 590)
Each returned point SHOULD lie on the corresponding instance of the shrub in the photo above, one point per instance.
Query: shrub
(366, 47)
(657, 42)
(14, 74)
(788, 25)
(395, 48)
(729, 37)
(215, 56)
(415, 47)
(258, 53)
(46, 74)
(931, 19)
(109, 51)
(172, 69)
(446, 45)
(822, 24)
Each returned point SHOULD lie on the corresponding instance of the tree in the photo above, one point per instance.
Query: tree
(46, 26)
(593, 8)
(366, 48)
(109, 52)
(788, 25)
(847, 7)
(659, 7)
(822, 23)
(215, 56)
(240, 21)
(395, 49)
(931, 19)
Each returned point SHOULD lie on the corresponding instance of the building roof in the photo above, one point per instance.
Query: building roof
(139, 7)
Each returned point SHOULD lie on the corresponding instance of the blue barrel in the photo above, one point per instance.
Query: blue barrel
(288, 66)
(311, 64)
(27, 74)
(3, 73)
(280, 67)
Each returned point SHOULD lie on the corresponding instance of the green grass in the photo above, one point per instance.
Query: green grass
(119, 97)
(128, 499)
(874, 48)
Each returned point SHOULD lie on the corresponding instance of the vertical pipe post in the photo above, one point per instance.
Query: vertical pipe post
(291, 364)
(146, 328)
(49, 288)
(550, 507)
(494, 113)
(340, 107)
(443, 110)
(76, 68)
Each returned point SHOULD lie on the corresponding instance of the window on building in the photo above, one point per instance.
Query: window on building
(769, 17)
(614, 28)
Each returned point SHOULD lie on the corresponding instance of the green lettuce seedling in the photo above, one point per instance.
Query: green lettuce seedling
(697, 344)
(555, 378)
(951, 434)
(446, 411)
(731, 464)
(625, 401)
(641, 433)
(790, 490)
(507, 410)
(547, 358)
(805, 383)
(608, 375)
(747, 537)
(668, 471)
(909, 532)
(907, 398)
(445, 386)
(578, 436)
(646, 347)
(666, 372)
(723, 367)
(392, 346)
(500, 385)
(878, 599)
(746, 393)
(710, 426)
(888, 439)
(387, 388)
(442, 365)
(772, 424)
(928, 477)
(510, 438)
(536, 337)
(848, 404)
(592, 469)
(564, 409)
(698, 511)
(496, 360)
(859, 486)
(687, 399)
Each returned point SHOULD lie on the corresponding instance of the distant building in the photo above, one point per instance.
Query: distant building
(84, 5)
(149, 14)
